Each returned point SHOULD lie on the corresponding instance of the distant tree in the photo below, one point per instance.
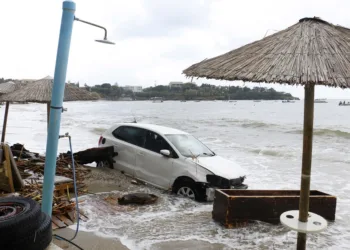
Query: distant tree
(106, 85)
(191, 91)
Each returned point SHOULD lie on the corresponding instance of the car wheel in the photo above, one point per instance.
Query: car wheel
(186, 188)
(186, 192)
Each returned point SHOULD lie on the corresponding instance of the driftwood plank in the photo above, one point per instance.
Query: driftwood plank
(54, 226)
(67, 221)
(83, 217)
(17, 178)
(7, 166)
(72, 215)
(4, 183)
(58, 222)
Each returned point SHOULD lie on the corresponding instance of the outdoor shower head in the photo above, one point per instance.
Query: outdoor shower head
(105, 41)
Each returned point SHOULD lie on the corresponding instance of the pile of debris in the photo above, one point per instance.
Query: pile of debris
(22, 171)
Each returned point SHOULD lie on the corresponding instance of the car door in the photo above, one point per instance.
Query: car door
(128, 140)
(151, 166)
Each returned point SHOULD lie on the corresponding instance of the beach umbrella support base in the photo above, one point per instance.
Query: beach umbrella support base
(314, 224)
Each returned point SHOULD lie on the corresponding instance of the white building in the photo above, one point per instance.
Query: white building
(135, 89)
(176, 84)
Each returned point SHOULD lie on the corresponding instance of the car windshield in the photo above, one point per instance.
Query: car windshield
(189, 146)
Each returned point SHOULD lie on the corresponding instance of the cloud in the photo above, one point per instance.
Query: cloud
(159, 18)
(155, 39)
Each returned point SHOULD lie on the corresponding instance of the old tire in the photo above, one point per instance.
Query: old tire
(38, 239)
(186, 187)
(26, 218)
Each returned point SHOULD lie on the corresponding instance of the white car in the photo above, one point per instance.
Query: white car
(171, 159)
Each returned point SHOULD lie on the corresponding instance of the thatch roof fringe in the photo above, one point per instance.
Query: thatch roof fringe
(8, 87)
(310, 51)
(41, 91)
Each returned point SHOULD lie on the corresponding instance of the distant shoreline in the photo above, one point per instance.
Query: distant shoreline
(194, 100)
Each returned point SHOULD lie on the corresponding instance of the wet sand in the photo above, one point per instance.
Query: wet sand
(99, 180)
(87, 241)
(106, 180)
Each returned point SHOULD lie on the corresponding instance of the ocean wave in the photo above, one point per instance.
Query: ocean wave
(246, 123)
(270, 152)
(325, 132)
(98, 131)
(256, 124)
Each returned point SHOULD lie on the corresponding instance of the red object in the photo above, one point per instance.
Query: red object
(100, 140)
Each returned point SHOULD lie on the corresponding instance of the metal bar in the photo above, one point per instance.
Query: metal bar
(306, 161)
(56, 101)
(5, 122)
(77, 19)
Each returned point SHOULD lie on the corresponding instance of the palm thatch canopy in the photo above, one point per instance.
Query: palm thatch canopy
(41, 90)
(311, 51)
(9, 87)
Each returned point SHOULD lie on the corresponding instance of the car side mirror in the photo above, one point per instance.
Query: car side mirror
(165, 152)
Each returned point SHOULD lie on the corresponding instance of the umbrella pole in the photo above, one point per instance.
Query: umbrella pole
(306, 161)
(5, 122)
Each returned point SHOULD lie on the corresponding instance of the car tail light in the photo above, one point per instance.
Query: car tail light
(100, 140)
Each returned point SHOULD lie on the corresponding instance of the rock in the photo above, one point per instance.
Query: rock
(137, 198)
(135, 182)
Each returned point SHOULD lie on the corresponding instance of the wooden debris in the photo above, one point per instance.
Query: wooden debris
(17, 178)
(7, 167)
(32, 165)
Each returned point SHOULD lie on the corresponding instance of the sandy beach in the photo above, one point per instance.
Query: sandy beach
(87, 241)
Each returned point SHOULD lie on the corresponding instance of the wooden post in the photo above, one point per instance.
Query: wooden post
(48, 113)
(306, 161)
(7, 166)
(5, 122)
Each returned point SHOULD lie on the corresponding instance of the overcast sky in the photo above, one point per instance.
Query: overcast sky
(155, 39)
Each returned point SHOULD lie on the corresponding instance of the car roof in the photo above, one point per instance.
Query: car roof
(155, 128)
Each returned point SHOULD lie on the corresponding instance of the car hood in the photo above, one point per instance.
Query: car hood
(221, 166)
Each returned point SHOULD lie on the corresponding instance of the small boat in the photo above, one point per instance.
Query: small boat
(157, 99)
(320, 101)
(344, 104)
(232, 101)
(287, 101)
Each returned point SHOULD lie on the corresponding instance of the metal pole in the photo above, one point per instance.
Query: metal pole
(306, 161)
(98, 26)
(56, 104)
(5, 122)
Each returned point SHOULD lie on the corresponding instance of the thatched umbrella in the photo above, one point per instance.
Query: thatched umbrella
(311, 52)
(40, 91)
(9, 87)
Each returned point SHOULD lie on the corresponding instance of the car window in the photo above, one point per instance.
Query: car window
(156, 143)
(135, 136)
(189, 146)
